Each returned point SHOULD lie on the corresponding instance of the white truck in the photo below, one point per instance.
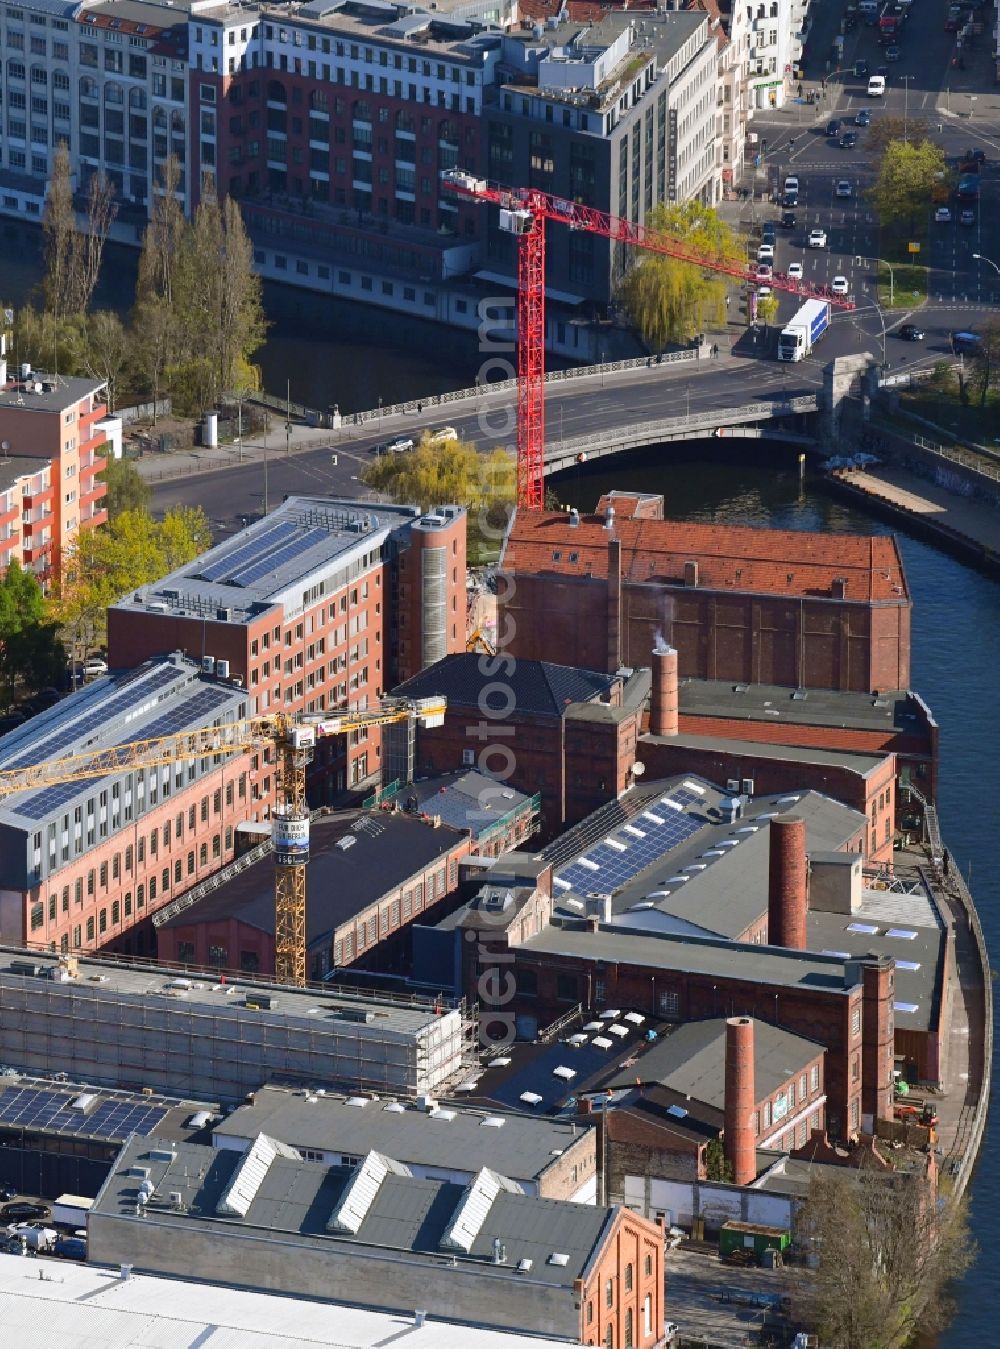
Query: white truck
(798, 337)
(70, 1210)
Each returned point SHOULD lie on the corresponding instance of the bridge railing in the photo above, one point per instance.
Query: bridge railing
(644, 432)
(503, 386)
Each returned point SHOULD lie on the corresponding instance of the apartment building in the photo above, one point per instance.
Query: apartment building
(321, 605)
(619, 115)
(84, 864)
(56, 429)
(775, 46)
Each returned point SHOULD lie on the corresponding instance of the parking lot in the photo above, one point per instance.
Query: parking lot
(697, 1283)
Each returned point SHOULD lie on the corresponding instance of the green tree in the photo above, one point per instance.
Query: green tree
(716, 1165)
(669, 300)
(153, 334)
(31, 653)
(131, 551)
(907, 177)
(882, 1250)
(162, 239)
(451, 471)
(48, 341)
(767, 309)
(986, 362)
(216, 303)
(127, 491)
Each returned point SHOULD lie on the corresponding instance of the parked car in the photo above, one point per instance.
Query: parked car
(795, 271)
(94, 666)
(844, 188)
(848, 140)
(24, 1210)
(909, 332)
(839, 285)
(942, 216)
(71, 1248)
(863, 118)
(817, 238)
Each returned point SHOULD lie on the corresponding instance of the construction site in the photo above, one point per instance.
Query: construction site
(141, 1027)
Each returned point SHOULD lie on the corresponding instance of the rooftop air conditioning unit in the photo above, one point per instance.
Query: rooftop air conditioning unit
(222, 669)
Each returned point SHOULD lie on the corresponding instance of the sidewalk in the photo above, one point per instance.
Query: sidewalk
(954, 517)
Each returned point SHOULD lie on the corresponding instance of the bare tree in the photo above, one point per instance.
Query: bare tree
(89, 246)
(986, 362)
(162, 238)
(107, 350)
(882, 1250)
(59, 229)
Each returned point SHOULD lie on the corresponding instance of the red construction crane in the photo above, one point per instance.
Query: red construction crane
(523, 212)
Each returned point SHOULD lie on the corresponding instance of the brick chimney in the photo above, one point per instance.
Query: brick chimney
(663, 695)
(740, 1140)
(614, 613)
(788, 882)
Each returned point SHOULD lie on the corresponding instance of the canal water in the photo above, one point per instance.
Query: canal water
(336, 352)
(319, 351)
(955, 641)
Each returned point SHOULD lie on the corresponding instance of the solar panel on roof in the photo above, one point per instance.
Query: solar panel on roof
(51, 1111)
(253, 548)
(629, 855)
(269, 564)
(92, 717)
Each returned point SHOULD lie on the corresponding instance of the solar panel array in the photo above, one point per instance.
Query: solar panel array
(618, 859)
(262, 543)
(102, 714)
(51, 1112)
(265, 566)
(191, 710)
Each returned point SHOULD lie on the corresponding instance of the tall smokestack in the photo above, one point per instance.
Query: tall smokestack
(788, 879)
(740, 1142)
(663, 695)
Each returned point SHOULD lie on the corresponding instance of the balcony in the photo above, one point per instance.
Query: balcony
(95, 493)
(93, 463)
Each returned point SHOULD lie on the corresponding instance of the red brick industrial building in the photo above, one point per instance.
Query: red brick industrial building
(759, 606)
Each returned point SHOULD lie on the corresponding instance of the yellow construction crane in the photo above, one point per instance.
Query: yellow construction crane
(293, 738)
(478, 641)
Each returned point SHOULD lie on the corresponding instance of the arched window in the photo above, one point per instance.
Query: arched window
(628, 1277)
(276, 92)
(137, 100)
(629, 1336)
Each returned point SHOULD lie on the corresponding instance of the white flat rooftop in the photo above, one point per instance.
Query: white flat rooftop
(82, 1306)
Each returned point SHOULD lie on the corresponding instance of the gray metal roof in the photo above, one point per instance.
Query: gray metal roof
(19, 466)
(888, 710)
(407, 1214)
(56, 9)
(538, 687)
(772, 965)
(714, 880)
(65, 390)
(305, 542)
(691, 1060)
(862, 764)
(470, 800)
(519, 1146)
(916, 991)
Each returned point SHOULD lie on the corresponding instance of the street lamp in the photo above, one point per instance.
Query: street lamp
(981, 257)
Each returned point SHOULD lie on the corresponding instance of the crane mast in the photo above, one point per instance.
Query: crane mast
(523, 213)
